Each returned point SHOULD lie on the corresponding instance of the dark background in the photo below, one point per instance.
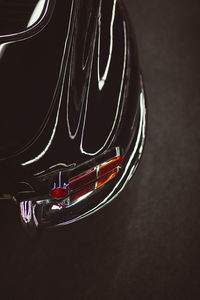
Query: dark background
(145, 245)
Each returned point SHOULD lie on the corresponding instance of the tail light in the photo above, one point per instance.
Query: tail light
(83, 179)
(59, 193)
(107, 178)
(79, 187)
(110, 165)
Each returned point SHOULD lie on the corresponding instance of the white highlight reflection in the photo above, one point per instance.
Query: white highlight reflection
(26, 211)
(2, 49)
(36, 13)
(102, 80)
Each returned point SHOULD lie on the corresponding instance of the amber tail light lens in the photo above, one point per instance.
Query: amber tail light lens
(107, 178)
(110, 165)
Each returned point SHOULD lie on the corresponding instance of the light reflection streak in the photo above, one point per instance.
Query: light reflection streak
(83, 197)
(102, 80)
(26, 211)
(71, 135)
(37, 12)
(56, 207)
(2, 49)
(34, 216)
(59, 165)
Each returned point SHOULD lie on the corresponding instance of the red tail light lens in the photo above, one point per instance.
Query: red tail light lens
(82, 194)
(59, 193)
(82, 180)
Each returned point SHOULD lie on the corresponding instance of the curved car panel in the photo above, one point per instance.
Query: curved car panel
(75, 98)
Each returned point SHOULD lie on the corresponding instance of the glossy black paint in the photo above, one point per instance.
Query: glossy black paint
(74, 96)
(23, 19)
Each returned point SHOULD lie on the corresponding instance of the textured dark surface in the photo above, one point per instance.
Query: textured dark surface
(145, 245)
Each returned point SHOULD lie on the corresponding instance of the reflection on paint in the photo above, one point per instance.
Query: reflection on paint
(118, 103)
(37, 12)
(102, 80)
(37, 18)
(26, 211)
(2, 49)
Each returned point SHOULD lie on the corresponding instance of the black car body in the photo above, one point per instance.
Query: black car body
(73, 110)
